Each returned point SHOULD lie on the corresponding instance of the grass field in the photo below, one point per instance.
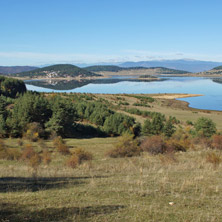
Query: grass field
(178, 187)
(183, 187)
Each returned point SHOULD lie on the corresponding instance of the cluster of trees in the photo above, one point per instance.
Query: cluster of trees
(159, 125)
(61, 116)
(11, 87)
(111, 122)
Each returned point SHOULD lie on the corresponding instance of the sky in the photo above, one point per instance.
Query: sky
(39, 32)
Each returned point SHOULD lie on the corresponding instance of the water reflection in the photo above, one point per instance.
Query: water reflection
(73, 84)
(211, 88)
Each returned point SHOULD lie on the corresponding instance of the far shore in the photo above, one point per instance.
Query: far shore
(134, 75)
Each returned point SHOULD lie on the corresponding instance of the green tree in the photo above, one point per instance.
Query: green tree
(117, 124)
(154, 127)
(63, 117)
(205, 127)
(28, 108)
(169, 128)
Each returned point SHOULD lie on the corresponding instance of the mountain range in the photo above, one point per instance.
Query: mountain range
(183, 64)
(15, 69)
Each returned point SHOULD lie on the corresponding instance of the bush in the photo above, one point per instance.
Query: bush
(73, 161)
(35, 161)
(173, 145)
(217, 142)
(82, 155)
(28, 152)
(46, 157)
(126, 147)
(154, 145)
(32, 158)
(34, 131)
(213, 158)
(60, 145)
(78, 156)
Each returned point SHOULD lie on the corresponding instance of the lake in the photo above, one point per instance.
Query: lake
(209, 87)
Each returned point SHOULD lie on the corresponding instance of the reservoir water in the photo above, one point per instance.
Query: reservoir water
(210, 88)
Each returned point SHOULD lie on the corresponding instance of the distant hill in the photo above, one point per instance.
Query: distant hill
(101, 68)
(15, 69)
(215, 71)
(182, 64)
(217, 68)
(152, 70)
(57, 71)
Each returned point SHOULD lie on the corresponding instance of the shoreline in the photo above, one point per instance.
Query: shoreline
(115, 74)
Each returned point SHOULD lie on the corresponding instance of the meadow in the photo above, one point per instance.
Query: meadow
(180, 186)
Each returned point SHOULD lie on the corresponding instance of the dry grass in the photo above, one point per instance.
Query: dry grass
(182, 187)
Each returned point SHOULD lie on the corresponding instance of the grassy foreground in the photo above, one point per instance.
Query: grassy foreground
(183, 187)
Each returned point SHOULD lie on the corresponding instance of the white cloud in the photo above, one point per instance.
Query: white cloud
(32, 58)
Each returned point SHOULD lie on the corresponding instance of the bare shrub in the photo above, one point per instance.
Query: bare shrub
(60, 145)
(73, 161)
(213, 158)
(204, 142)
(217, 142)
(82, 155)
(46, 157)
(58, 140)
(28, 152)
(35, 161)
(154, 145)
(126, 147)
(32, 158)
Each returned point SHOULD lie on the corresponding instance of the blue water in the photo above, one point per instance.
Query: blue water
(212, 91)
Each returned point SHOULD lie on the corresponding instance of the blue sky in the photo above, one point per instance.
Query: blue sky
(35, 32)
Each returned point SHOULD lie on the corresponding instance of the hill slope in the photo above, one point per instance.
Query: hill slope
(15, 69)
(181, 64)
(133, 70)
(215, 71)
(57, 71)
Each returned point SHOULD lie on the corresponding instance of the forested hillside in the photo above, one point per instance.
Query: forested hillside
(57, 71)
(11, 87)
(157, 70)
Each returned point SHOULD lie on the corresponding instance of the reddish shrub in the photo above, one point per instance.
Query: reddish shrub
(213, 158)
(73, 161)
(82, 155)
(60, 145)
(154, 145)
(217, 142)
(46, 157)
(28, 152)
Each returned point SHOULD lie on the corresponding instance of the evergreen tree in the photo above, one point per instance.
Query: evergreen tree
(205, 127)
(169, 128)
